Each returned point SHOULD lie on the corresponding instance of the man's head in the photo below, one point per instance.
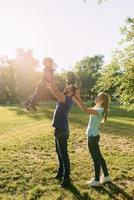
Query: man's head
(70, 90)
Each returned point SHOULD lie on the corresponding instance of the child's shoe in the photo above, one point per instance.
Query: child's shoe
(105, 179)
(65, 183)
(58, 177)
(94, 183)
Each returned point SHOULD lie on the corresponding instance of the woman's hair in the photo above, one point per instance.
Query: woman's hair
(105, 99)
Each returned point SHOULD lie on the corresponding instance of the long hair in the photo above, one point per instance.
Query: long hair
(104, 105)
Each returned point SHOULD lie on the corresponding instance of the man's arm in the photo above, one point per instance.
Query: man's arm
(55, 91)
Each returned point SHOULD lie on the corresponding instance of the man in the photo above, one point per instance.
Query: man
(60, 123)
(32, 101)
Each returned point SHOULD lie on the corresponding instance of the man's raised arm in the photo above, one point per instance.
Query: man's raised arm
(55, 91)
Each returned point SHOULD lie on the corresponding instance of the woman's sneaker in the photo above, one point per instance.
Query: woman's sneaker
(58, 177)
(65, 182)
(105, 179)
(94, 183)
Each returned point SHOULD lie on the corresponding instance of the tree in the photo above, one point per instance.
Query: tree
(120, 73)
(60, 81)
(18, 76)
(87, 72)
(69, 77)
(8, 82)
(26, 74)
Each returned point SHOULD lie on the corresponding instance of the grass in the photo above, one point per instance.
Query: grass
(28, 160)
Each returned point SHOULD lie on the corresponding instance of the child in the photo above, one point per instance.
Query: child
(32, 101)
(98, 115)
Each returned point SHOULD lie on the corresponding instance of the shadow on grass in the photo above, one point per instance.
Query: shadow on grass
(76, 193)
(114, 191)
(117, 111)
(40, 114)
(46, 111)
(119, 129)
(113, 128)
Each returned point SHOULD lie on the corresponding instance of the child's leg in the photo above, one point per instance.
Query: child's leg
(39, 92)
(93, 148)
(28, 100)
(103, 164)
(98, 157)
(27, 103)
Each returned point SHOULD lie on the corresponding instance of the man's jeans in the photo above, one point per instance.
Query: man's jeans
(61, 139)
(99, 162)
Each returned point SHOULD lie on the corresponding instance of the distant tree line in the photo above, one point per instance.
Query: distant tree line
(19, 76)
(117, 78)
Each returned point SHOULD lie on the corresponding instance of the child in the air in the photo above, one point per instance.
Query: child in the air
(32, 101)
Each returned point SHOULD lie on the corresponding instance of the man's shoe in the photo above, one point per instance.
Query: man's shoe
(105, 179)
(65, 183)
(94, 183)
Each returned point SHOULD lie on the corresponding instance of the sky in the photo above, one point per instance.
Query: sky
(66, 30)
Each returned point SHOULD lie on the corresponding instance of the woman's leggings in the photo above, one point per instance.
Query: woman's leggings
(99, 162)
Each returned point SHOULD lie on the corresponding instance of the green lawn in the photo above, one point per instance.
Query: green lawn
(28, 160)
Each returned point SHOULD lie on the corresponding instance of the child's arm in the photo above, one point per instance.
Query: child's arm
(81, 105)
(75, 100)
